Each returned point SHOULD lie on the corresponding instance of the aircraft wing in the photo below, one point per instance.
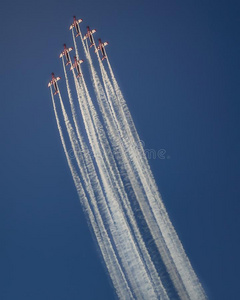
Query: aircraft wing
(105, 44)
(71, 26)
(79, 21)
(58, 78)
(61, 55)
(70, 49)
(81, 61)
(50, 83)
(93, 31)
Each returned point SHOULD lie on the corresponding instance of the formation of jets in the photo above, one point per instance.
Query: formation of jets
(77, 63)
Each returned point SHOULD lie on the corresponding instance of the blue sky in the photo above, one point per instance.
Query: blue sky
(178, 66)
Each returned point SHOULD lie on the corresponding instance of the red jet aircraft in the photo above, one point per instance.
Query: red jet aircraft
(66, 53)
(89, 35)
(76, 65)
(54, 82)
(101, 47)
(75, 24)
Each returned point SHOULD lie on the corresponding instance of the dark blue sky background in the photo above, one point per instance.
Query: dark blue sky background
(178, 66)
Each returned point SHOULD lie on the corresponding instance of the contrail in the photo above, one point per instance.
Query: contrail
(100, 232)
(142, 252)
(125, 167)
(116, 236)
(91, 171)
(113, 130)
(126, 203)
(105, 174)
(187, 276)
(179, 267)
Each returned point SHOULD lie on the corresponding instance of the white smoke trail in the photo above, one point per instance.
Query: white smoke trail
(148, 288)
(135, 174)
(99, 230)
(171, 261)
(106, 118)
(189, 278)
(120, 153)
(90, 171)
(125, 249)
(150, 266)
(174, 263)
